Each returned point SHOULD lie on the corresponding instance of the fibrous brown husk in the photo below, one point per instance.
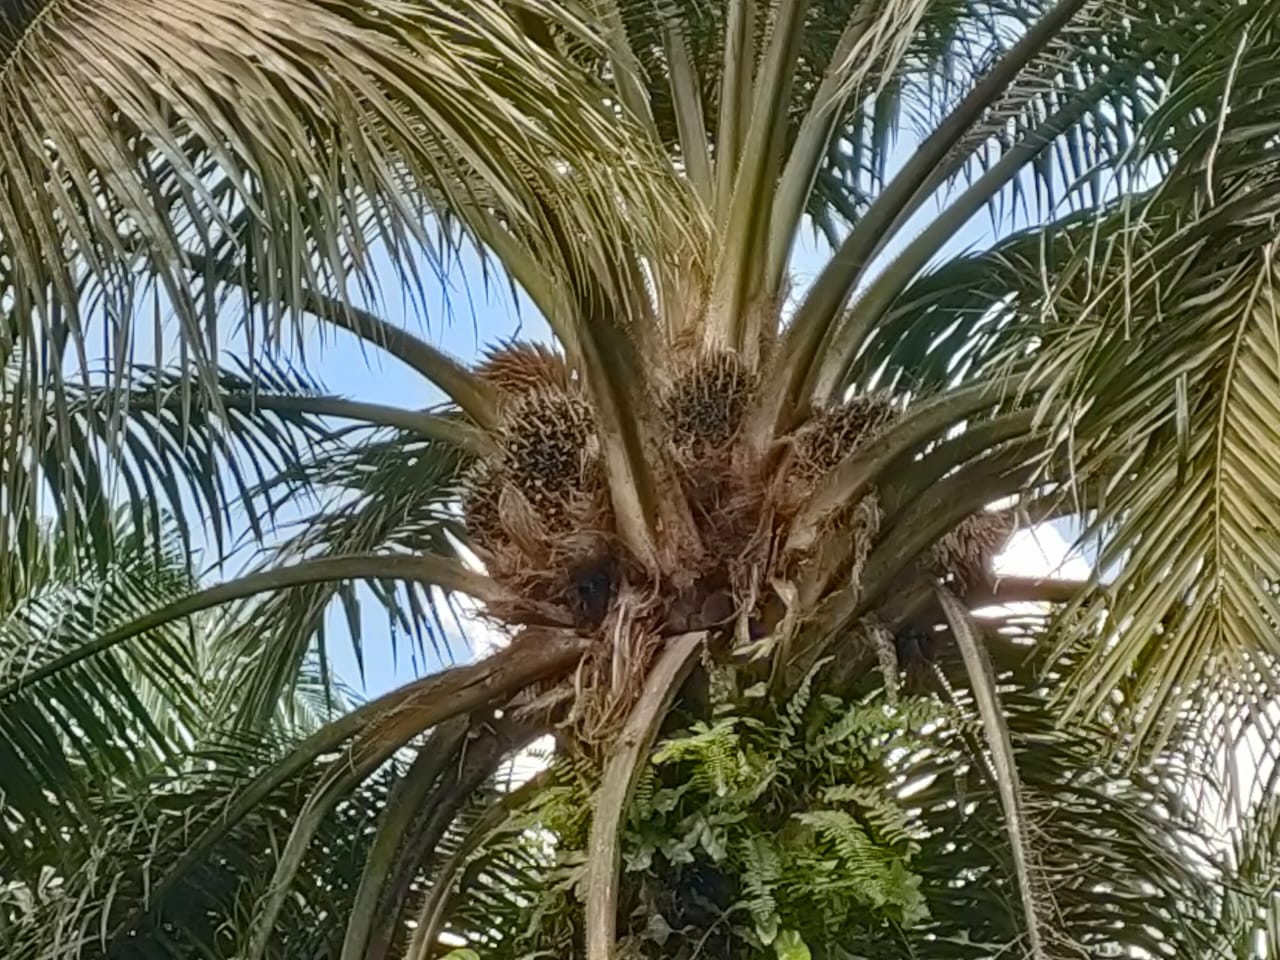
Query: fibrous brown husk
(546, 702)
(576, 574)
(843, 543)
(541, 511)
(964, 556)
(519, 366)
(861, 523)
(727, 508)
(589, 567)
(521, 525)
(611, 675)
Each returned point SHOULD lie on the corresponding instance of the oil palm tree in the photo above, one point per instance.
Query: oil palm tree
(710, 481)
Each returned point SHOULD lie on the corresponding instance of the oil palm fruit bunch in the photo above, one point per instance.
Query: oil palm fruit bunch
(734, 540)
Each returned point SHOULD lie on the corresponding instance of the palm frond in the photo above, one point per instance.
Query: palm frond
(209, 831)
(144, 441)
(1159, 363)
(282, 142)
(868, 98)
(1123, 861)
(1249, 923)
(986, 697)
(103, 726)
(642, 170)
(69, 913)
(397, 494)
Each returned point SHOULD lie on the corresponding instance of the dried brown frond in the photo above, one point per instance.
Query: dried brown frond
(520, 366)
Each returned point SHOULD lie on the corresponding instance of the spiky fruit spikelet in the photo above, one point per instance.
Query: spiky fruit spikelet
(830, 435)
(964, 556)
(544, 480)
(837, 431)
(518, 367)
(705, 406)
(550, 453)
(480, 491)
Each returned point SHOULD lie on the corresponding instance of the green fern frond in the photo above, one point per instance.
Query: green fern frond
(888, 819)
(762, 869)
(718, 765)
(793, 713)
(642, 799)
(865, 870)
(850, 840)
